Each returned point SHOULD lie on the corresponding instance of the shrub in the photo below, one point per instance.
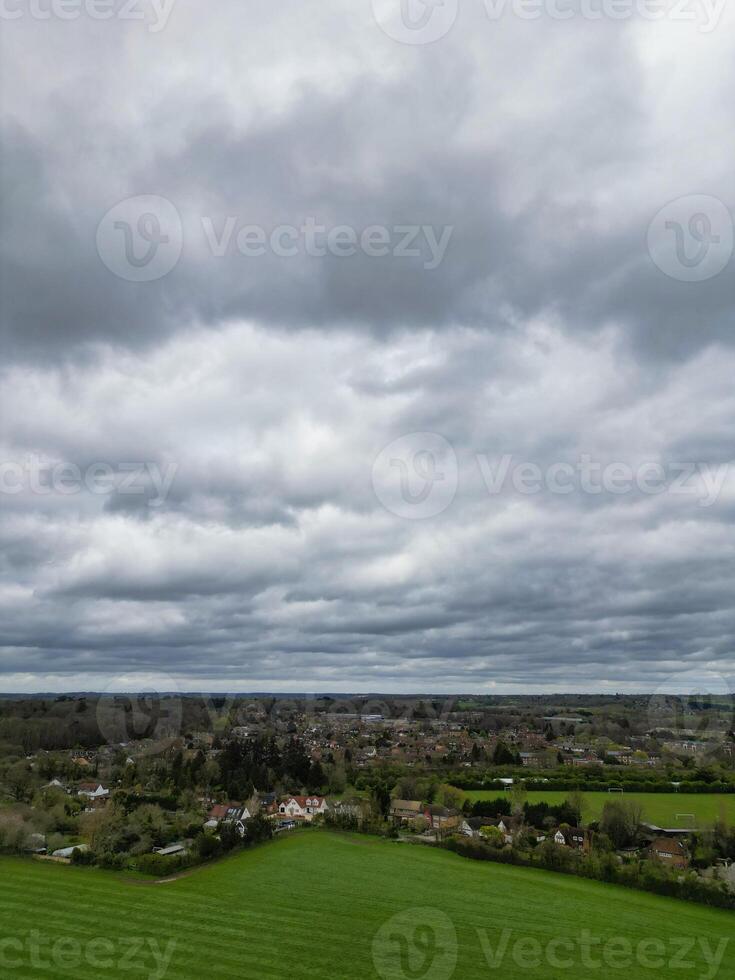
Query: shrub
(159, 864)
(82, 857)
(646, 876)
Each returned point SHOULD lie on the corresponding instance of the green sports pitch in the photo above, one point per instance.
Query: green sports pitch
(663, 809)
(328, 905)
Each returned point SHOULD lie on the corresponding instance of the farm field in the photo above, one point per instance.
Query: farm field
(658, 808)
(320, 904)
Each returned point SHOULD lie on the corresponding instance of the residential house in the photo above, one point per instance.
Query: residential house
(575, 837)
(302, 807)
(218, 812)
(442, 819)
(268, 803)
(93, 791)
(668, 851)
(403, 811)
(466, 829)
(234, 813)
(682, 745)
(509, 827)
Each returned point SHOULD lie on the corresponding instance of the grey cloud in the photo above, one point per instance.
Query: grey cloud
(212, 586)
(272, 384)
(383, 149)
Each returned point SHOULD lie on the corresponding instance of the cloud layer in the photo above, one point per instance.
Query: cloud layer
(248, 397)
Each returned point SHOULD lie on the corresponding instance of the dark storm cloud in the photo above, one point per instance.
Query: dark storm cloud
(414, 146)
(617, 590)
(265, 387)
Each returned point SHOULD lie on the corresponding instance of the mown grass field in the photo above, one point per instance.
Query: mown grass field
(312, 905)
(658, 808)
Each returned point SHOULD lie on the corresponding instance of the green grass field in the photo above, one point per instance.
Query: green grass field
(330, 906)
(658, 808)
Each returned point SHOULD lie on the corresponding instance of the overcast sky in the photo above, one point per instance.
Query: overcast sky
(337, 355)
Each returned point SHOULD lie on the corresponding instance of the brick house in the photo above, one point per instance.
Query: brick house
(442, 819)
(669, 852)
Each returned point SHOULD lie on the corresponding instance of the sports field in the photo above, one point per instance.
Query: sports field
(663, 809)
(332, 906)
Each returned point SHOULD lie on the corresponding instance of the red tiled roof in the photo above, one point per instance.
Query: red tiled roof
(219, 810)
(304, 801)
